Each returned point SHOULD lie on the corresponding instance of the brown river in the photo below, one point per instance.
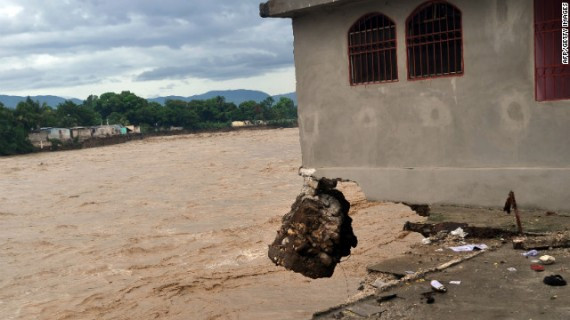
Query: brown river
(170, 228)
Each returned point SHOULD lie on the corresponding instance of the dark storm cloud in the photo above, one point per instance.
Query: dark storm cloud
(220, 67)
(94, 40)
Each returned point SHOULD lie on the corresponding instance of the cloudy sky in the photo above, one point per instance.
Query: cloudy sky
(74, 48)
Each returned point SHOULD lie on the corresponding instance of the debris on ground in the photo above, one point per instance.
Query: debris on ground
(429, 230)
(316, 233)
(531, 253)
(556, 240)
(459, 233)
(536, 267)
(379, 283)
(487, 238)
(438, 286)
(469, 247)
(555, 280)
(546, 260)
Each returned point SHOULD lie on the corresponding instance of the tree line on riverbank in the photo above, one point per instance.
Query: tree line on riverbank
(127, 108)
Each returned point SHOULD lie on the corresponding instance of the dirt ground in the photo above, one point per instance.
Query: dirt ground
(170, 227)
(496, 284)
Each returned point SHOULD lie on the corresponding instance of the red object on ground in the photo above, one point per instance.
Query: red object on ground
(537, 267)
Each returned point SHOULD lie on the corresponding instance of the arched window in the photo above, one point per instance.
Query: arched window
(372, 50)
(434, 41)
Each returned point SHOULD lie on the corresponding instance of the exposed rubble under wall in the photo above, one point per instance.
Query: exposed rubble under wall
(316, 233)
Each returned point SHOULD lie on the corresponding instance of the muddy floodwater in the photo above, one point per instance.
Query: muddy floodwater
(170, 228)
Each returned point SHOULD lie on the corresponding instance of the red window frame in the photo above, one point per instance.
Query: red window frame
(372, 46)
(552, 78)
(434, 41)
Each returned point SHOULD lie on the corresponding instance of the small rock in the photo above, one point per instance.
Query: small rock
(379, 283)
(325, 259)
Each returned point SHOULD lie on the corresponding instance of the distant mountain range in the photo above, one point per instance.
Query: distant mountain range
(52, 101)
(235, 96)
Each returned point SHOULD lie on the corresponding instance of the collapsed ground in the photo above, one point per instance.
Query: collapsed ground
(504, 280)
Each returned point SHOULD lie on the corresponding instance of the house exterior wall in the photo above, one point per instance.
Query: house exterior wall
(39, 139)
(464, 140)
(61, 134)
(81, 134)
(106, 131)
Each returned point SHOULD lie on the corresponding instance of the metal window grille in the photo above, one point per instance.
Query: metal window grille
(552, 78)
(372, 50)
(434, 41)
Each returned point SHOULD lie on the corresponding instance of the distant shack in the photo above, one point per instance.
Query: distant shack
(81, 133)
(44, 137)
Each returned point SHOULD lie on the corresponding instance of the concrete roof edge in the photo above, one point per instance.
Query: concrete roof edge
(290, 8)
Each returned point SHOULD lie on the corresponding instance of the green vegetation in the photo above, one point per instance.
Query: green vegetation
(13, 134)
(127, 108)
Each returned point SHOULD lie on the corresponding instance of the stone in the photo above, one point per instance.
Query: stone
(319, 232)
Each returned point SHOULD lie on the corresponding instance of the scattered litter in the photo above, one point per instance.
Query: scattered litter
(437, 286)
(534, 261)
(555, 281)
(459, 233)
(410, 272)
(554, 297)
(469, 247)
(386, 298)
(379, 283)
(547, 260)
(439, 250)
(531, 253)
(426, 241)
(511, 269)
(455, 282)
(536, 267)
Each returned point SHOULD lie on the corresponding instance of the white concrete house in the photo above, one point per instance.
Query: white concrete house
(439, 102)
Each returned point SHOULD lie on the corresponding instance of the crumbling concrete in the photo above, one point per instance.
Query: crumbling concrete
(556, 240)
(316, 233)
(429, 229)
